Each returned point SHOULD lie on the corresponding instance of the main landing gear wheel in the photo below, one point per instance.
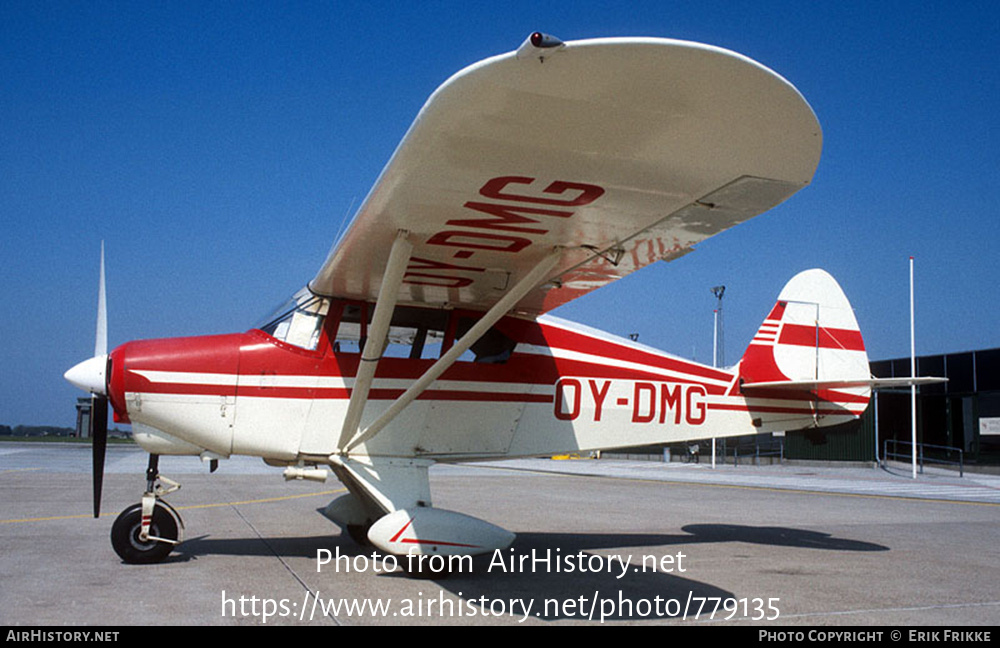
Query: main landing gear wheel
(126, 529)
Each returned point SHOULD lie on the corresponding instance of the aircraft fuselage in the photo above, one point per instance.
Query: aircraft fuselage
(560, 388)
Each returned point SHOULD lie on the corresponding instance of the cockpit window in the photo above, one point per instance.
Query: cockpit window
(414, 333)
(492, 348)
(299, 321)
(417, 333)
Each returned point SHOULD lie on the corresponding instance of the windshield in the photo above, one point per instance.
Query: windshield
(298, 321)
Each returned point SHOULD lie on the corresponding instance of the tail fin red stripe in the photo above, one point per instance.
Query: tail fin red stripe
(803, 335)
(778, 311)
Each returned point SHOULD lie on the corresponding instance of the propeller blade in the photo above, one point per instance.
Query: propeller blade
(101, 340)
(99, 439)
(92, 375)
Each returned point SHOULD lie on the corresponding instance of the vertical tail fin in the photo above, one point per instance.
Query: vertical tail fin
(809, 351)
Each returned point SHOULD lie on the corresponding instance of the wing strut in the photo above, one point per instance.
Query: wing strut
(388, 294)
(501, 308)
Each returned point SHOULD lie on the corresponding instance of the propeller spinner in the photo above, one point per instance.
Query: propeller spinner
(91, 375)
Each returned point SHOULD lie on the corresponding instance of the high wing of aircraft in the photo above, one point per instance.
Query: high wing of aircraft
(526, 180)
(619, 152)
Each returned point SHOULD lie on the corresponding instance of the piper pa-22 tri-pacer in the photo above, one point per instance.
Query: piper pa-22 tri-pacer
(527, 180)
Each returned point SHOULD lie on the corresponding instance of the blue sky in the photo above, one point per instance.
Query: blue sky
(217, 146)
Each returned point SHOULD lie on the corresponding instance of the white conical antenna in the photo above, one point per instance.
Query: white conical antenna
(101, 341)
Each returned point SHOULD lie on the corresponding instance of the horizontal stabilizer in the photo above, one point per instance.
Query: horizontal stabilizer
(872, 383)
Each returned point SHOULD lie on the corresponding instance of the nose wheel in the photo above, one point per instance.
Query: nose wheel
(147, 532)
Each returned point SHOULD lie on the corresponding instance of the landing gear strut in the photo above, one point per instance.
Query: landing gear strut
(146, 533)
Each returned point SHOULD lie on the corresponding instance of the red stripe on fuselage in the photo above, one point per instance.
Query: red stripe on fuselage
(334, 393)
(254, 357)
(559, 338)
(773, 409)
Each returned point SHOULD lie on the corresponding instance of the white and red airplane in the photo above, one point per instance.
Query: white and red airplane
(527, 180)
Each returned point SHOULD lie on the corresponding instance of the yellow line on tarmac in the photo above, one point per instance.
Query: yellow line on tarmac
(183, 508)
(260, 501)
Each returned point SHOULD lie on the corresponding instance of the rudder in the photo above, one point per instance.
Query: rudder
(810, 336)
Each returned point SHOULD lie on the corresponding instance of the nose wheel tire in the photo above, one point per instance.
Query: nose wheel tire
(128, 525)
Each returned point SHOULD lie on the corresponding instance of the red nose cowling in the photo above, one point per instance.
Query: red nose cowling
(161, 366)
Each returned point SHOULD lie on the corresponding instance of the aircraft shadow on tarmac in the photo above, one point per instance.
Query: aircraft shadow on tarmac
(775, 536)
(560, 593)
(628, 596)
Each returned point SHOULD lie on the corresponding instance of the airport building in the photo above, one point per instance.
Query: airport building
(83, 408)
(963, 413)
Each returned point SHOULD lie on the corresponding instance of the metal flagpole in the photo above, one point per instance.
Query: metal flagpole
(878, 462)
(913, 374)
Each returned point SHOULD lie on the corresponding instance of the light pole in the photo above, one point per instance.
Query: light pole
(718, 344)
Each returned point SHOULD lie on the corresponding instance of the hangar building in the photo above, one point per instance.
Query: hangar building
(962, 413)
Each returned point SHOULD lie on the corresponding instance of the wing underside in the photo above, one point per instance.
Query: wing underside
(620, 152)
